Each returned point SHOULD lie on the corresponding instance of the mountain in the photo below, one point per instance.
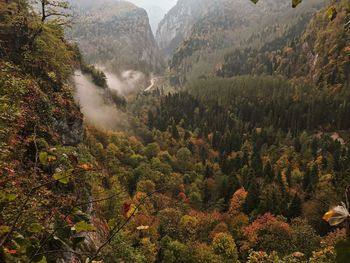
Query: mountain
(177, 23)
(117, 35)
(155, 9)
(230, 169)
(201, 33)
(320, 55)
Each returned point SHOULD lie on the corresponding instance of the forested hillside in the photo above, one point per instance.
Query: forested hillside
(320, 55)
(238, 167)
(228, 25)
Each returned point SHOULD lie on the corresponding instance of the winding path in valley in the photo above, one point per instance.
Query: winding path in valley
(153, 82)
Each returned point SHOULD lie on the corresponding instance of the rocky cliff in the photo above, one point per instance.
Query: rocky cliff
(176, 25)
(117, 35)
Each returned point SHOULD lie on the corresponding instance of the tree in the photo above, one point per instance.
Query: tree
(252, 201)
(175, 132)
(54, 11)
(169, 220)
(188, 228)
(224, 245)
(268, 172)
(152, 150)
(295, 208)
(304, 237)
(173, 251)
(237, 201)
(184, 156)
(58, 9)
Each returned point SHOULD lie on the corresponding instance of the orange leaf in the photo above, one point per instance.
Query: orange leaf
(328, 215)
(86, 167)
(10, 251)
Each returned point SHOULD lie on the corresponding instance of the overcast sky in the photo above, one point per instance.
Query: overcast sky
(156, 9)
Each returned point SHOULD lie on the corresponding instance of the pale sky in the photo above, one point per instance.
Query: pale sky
(156, 9)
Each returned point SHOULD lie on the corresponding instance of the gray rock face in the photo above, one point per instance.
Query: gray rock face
(117, 35)
(177, 24)
(70, 131)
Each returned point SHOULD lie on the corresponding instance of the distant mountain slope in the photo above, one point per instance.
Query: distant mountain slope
(320, 55)
(176, 25)
(212, 29)
(117, 35)
(156, 9)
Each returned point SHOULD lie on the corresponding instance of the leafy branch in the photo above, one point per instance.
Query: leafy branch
(118, 227)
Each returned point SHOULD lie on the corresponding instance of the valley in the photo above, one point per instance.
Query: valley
(175, 131)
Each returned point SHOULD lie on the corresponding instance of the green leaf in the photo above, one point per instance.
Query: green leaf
(11, 197)
(295, 3)
(43, 260)
(63, 177)
(4, 229)
(7, 197)
(331, 13)
(35, 228)
(43, 158)
(82, 226)
(112, 223)
(342, 249)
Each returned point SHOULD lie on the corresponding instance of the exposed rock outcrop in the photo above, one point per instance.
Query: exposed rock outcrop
(117, 35)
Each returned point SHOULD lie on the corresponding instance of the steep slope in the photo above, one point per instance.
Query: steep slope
(320, 55)
(155, 9)
(176, 25)
(117, 35)
(224, 25)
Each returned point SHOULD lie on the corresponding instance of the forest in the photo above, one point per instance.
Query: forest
(248, 163)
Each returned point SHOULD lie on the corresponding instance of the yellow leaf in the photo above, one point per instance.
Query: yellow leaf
(4, 229)
(51, 158)
(142, 227)
(131, 211)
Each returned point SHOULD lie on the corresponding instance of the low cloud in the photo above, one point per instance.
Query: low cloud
(126, 82)
(95, 105)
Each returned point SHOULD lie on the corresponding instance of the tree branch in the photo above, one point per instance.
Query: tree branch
(117, 229)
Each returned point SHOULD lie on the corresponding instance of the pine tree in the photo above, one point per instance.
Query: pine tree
(297, 145)
(289, 176)
(268, 173)
(295, 208)
(175, 132)
(253, 200)
(150, 120)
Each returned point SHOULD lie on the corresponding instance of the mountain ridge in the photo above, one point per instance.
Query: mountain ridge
(117, 35)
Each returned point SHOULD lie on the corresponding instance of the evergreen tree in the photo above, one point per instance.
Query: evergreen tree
(297, 145)
(289, 176)
(295, 208)
(175, 132)
(150, 119)
(252, 201)
(268, 172)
